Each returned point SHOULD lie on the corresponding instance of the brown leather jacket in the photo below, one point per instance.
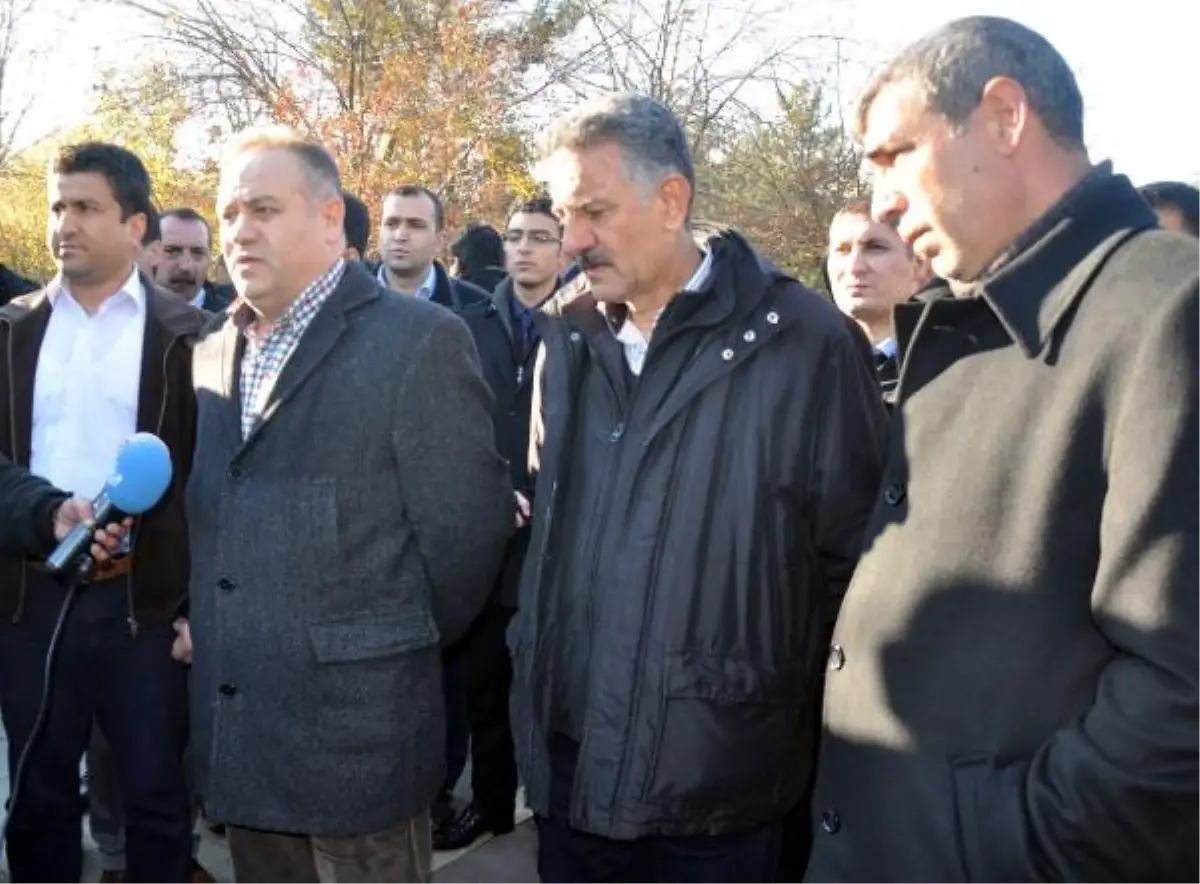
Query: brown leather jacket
(166, 407)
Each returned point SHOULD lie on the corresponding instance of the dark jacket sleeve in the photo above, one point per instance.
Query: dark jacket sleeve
(851, 447)
(27, 505)
(457, 494)
(1113, 796)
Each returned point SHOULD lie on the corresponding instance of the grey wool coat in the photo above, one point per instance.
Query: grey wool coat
(359, 527)
(1011, 692)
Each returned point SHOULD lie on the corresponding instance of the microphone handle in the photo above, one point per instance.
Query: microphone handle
(78, 539)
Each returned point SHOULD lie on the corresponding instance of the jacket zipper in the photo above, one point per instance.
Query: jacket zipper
(162, 416)
(16, 454)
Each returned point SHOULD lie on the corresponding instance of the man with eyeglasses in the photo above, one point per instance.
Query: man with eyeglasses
(532, 243)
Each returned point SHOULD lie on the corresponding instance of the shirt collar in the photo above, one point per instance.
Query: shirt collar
(886, 347)
(198, 298)
(618, 321)
(424, 290)
(316, 292)
(131, 289)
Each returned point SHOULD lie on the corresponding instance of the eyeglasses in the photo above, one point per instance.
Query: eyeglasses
(537, 237)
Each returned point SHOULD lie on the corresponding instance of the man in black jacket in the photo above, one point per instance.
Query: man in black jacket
(13, 284)
(707, 445)
(1012, 689)
(507, 339)
(412, 230)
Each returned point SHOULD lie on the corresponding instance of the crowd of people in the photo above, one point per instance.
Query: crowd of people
(738, 580)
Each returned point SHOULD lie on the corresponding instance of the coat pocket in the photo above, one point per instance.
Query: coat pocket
(726, 727)
(373, 637)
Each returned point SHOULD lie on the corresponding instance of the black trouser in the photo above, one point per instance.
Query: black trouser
(458, 732)
(493, 757)
(137, 694)
(568, 855)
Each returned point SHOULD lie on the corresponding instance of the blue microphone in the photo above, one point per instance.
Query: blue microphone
(139, 480)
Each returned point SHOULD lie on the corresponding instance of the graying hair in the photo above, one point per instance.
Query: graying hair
(321, 176)
(952, 65)
(650, 137)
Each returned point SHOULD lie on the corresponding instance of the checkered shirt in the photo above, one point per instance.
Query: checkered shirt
(267, 353)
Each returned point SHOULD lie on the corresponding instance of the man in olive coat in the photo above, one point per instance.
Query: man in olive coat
(1011, 690)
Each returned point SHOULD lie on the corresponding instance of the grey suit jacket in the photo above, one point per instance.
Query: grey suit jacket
(358, 527)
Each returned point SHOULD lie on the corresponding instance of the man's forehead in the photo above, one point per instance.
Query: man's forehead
(531, 221)
(578, 175)
(91, 184)
(183, 228)
(261, 173)
(854, 226)
(408, 206)
(896, 111)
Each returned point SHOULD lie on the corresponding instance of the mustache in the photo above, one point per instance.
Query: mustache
(593, 258)
(181, 278)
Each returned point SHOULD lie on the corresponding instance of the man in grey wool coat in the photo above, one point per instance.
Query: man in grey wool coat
(349, 515)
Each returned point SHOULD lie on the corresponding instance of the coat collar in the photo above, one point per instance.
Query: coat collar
(1034, 285)
(221, 351)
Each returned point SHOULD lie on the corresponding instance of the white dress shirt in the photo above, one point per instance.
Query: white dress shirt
(85, 394)
(635, 343)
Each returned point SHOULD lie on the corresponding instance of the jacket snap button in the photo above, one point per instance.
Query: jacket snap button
(773, 317)
(616, 434)
(727, 354)
(226, 584)
(749, 336)
(837, 657)
(894, 494)
(228, 690)
(830, 821)
(575, 336)
(236, 473)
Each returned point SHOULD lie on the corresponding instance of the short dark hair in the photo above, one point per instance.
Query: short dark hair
(951, 65)
(153, 228)
(477, 247)
(539, 205)
(1183, 198)
(439, 209)
(187, 213)
(121, 168)
(357, 222)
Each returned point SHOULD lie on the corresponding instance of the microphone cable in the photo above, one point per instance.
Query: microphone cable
(39, 723)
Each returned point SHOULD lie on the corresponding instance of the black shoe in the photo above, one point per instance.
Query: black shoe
(465, 829)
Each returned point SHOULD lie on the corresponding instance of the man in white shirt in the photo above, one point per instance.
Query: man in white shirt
(84, 363)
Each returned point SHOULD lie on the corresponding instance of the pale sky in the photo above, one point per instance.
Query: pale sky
(1136, 67)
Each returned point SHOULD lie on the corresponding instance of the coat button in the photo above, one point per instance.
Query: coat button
(837, 657)
(830, 821)
(727, 354)
(227, 690)
(748, 336)
(576, 337)
(236, 473)
(773, 317)
(616, 434)
(226, 584)
(894, 494)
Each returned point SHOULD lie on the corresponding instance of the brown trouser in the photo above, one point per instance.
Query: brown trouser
(402, 854)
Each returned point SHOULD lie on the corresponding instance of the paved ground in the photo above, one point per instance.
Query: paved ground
(511, 858)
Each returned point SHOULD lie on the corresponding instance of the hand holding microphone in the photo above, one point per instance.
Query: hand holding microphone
(79, 510)
(140, 478)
